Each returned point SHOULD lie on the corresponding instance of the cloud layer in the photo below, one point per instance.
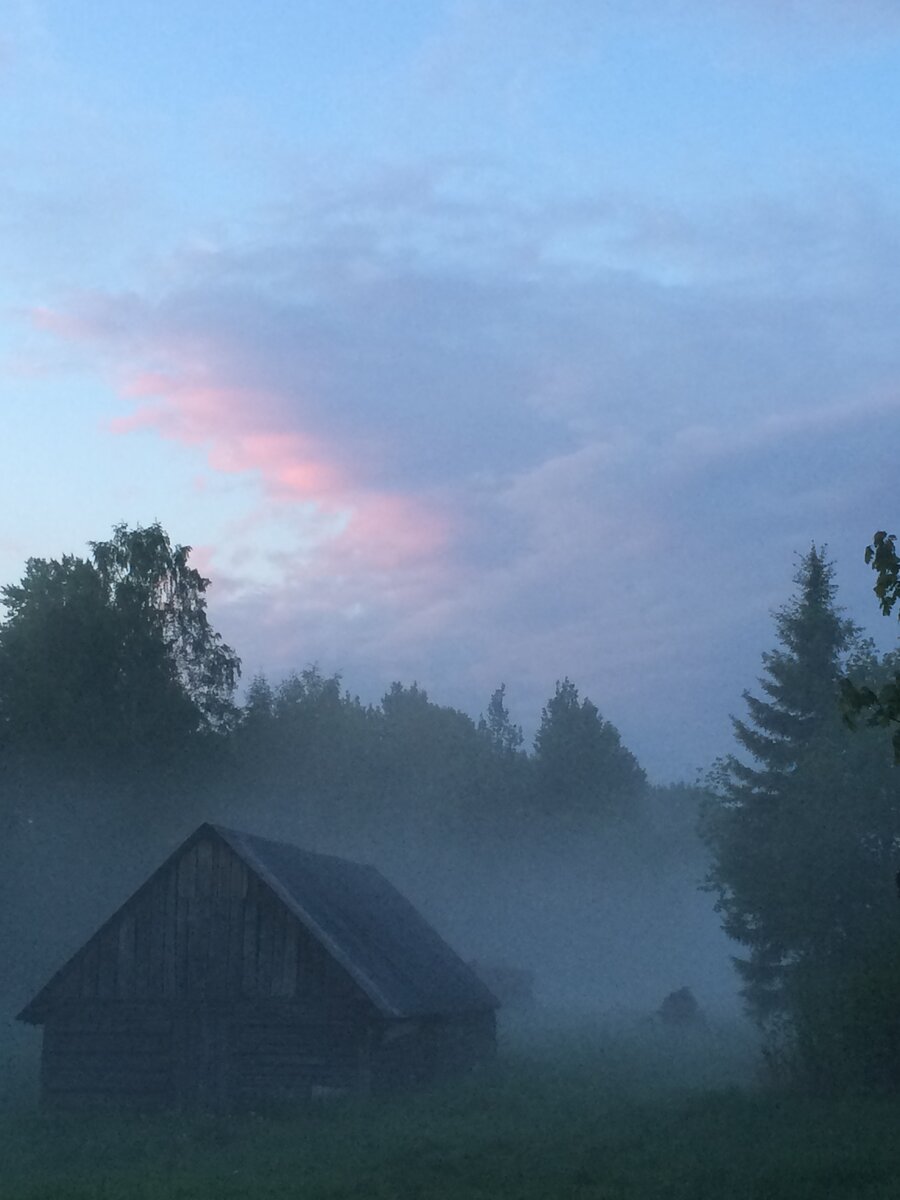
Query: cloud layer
(484, 341)
(517, 461)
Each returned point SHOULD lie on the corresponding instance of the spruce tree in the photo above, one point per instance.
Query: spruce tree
(803, 830)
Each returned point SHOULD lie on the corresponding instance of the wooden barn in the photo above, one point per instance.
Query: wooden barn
(246, 970)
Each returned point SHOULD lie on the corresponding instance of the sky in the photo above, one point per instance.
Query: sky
(466, 342)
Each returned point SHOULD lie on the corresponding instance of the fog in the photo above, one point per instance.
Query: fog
(607, 921)
(603, 922)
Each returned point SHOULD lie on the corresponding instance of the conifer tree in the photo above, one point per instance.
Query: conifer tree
(803, 835)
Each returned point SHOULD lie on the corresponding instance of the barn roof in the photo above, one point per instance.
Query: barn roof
(395, 956)
(391, 952)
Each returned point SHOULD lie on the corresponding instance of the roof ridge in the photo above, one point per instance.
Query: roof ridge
(256, 837)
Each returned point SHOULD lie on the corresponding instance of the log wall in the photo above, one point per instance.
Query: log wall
(293, 1060)
(205, 1057)
(108, 1054)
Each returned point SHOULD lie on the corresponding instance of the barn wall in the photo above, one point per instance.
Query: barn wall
(205, 1056)
(289, 1059)
(205, 928)
(103, 1054)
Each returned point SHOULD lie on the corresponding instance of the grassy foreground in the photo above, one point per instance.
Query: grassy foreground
(626, 1116)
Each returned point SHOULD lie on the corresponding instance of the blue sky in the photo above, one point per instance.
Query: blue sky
(466, 342)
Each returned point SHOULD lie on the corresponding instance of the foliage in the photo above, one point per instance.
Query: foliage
(113, 655)
(880, 703)
(316, 757)
(303, 749)
(882, 556)
(497, 727)
(429, 760)
(581, 767)
(149, 582)
(58, 669)
(115, 703)
(110, 668)
(804, 835)
(318, 760)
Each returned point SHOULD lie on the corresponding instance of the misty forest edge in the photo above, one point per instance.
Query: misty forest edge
(113, 684)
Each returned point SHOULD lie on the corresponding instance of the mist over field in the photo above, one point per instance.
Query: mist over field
(606, 924)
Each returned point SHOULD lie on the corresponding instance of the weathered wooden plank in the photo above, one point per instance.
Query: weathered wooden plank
(170, 935)
(306, 969)
(184, 931)
(279, 917)
(238, 888)
(250, 942)
(108, 1052)
(91, 1063)
(127, 1042)
(142, 933)
(125, 954)
(201, 1060)
(152, 980)
(233, 923)
(201, 953)
(107, 947)
(90, 958)
(204, 879)
(187, 873)
(93, 1071)
(289, 962)
(112, 1017)
(110, 1086)
(103, 1088)
(217, 982)
(265, 949)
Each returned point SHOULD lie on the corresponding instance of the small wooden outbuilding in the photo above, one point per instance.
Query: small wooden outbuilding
(246, 970)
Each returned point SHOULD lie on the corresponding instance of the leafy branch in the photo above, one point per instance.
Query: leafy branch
(882, 707)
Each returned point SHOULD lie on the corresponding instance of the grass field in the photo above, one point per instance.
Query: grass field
(626, 1115)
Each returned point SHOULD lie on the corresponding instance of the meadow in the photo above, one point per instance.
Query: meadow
(630, 1113)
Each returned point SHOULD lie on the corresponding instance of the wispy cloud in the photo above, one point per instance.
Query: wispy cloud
(497, 466)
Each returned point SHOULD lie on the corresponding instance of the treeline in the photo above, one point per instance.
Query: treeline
(121, 730)
(110, 673)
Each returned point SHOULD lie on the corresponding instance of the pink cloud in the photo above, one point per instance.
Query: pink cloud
(202, 559)
(400, 531)
(249, 431)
